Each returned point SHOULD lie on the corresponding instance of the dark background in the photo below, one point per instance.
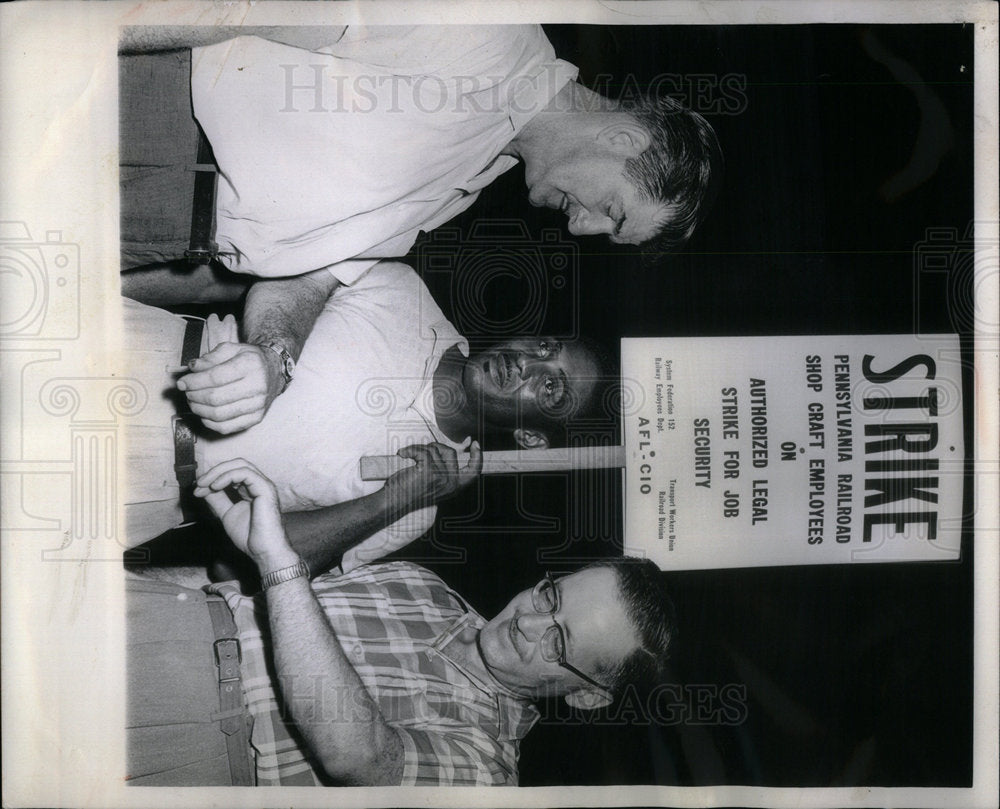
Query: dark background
(838, 166)
(845, 208)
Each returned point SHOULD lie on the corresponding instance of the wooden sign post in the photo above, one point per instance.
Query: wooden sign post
(380, 467)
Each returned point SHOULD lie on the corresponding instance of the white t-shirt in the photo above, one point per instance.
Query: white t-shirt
(342, 156)
(363, 386)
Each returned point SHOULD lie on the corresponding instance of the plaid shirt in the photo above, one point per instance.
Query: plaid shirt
(393, 622)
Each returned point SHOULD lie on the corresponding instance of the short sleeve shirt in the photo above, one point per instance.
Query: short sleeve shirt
(342, 156)
(393, 621)
(363, 386)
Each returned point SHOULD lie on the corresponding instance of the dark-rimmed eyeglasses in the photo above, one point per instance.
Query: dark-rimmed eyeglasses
(552, 644)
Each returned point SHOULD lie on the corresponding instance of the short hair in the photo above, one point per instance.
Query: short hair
(681, 168)
(644, 594)
(604, 402)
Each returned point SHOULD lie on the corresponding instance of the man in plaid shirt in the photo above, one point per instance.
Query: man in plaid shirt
(381, 676)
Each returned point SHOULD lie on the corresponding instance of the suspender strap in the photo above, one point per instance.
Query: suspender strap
(185, 467)
(232, 715)
(203, 247)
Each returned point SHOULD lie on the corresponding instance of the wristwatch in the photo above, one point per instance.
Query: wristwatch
(287, 363)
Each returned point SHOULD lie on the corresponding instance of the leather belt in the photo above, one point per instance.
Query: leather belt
(185, 467)
(203, 247)
(232, 714)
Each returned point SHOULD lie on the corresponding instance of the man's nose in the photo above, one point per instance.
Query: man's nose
(586, 224)
(528, 364)
(533, 624)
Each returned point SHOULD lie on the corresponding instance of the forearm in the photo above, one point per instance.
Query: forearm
(148, 38)
(328, 702)
(322, 536)
(284, 310)
(178, 282)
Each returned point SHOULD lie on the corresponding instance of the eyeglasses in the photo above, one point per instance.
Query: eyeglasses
(552, 644)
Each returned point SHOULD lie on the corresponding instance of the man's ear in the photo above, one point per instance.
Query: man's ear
(626, 138)
(587, 699)
(531, 439)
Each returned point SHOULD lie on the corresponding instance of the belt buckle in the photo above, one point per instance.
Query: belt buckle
(200, 255)
(179, 423)
(184, 439)
(228, 656)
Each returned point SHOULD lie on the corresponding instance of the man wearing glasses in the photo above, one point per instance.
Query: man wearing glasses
(381, 676)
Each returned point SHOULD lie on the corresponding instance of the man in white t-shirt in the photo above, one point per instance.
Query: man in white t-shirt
(383, 370)
(336, 148)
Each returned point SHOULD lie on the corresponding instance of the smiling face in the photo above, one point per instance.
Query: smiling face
(528, 383)
(589, 186)
(597, 630)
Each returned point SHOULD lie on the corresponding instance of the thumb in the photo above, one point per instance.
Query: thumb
(474, 467)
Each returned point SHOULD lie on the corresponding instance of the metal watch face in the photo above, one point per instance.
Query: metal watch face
(287, 362)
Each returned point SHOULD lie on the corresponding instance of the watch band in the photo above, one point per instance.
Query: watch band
(284, 574)
(287, 363)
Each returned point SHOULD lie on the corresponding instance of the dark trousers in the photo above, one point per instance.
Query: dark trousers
(159, 148)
